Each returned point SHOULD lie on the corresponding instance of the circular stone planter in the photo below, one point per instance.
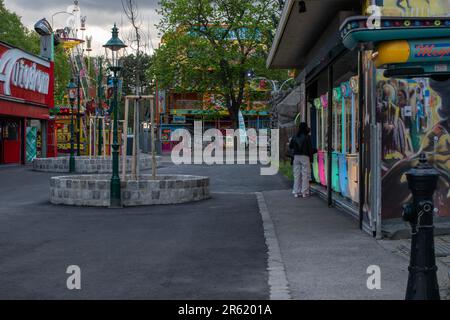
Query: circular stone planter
(94, 190)
(85, 164)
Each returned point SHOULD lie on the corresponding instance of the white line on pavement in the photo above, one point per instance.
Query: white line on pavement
(279, 286)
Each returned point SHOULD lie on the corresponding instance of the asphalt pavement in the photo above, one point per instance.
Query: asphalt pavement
(213, 249)
(251, 240)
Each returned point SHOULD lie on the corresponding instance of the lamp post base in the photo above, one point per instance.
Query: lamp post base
(115, 204)
(115, 201)
(71, 164)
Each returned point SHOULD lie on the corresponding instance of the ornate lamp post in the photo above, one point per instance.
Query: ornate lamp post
(115, 45)
(72, 91)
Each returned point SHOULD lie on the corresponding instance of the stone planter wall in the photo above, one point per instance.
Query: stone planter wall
(86, 164)
(94, 190)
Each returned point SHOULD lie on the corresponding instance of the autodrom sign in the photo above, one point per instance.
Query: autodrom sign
(24, 76)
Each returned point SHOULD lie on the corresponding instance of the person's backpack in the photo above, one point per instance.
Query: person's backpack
(297, 145)
(290, 153)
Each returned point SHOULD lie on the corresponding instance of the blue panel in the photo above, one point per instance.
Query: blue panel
(343, 178)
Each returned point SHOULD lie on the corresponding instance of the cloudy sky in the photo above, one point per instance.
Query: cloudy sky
(101, 15)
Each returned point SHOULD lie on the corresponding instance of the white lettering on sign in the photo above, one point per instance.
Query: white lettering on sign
(13, 70)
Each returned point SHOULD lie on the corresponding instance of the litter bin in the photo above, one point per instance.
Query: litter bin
(129, 145)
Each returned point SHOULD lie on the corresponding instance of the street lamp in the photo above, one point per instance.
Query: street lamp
(72, 92)
(115, 45)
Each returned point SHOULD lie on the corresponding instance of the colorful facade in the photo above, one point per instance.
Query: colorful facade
(26, 95)
(376, 88)
(182, 109)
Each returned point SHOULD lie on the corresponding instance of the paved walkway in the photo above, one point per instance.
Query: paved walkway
(326, 256)
(442, 250)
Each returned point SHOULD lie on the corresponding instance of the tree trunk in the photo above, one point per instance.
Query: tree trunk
(234, 116)
(233, 107)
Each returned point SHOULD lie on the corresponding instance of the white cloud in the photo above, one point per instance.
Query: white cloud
(101, 15)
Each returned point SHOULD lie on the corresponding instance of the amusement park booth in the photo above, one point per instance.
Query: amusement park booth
(375, 77)
(26, 95)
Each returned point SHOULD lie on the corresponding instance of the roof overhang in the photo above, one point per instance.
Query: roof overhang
(298, 32)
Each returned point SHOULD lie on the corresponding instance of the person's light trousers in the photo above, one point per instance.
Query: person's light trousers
(302, 174)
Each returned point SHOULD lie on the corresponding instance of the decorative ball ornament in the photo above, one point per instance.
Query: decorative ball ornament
(354, 84)
(337, 94)
(324, 100)
(346, 90)
(317, 103)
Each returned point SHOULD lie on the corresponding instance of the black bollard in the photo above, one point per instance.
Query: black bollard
(422, 281)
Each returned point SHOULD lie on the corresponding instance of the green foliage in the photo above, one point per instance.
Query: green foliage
(286, 170)
(62, 75)
(131, 67)
(208, 46)
(13, 32)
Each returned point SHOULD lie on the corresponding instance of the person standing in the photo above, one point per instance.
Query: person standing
(302, 151)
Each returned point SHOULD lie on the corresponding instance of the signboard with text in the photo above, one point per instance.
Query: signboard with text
(179, 119)
(430, 51)
(25, 76)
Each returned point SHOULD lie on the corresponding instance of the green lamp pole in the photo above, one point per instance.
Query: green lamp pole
(115, 45)
(100, 106)
(71, 88)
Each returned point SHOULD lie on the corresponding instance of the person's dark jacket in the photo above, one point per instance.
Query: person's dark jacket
(302, 145)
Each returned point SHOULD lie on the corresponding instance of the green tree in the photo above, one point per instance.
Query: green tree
(131, 69)
(63, 74)
(13, 32)
(209, 46)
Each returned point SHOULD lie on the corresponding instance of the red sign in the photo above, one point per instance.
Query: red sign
(25, 76)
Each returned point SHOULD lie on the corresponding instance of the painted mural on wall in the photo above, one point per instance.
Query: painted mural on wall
(415, 117)
(414, 8)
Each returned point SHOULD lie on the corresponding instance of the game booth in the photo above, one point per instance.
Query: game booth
(376, 81)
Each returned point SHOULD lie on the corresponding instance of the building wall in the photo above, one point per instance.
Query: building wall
(26, 94)
(415, 117)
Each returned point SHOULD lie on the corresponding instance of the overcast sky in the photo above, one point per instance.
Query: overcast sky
(101, 15)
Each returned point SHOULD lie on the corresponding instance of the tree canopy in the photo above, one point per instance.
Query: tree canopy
(131, 69)
(13, 32)
(209, 46)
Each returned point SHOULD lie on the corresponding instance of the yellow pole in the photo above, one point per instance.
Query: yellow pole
(124, 150)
